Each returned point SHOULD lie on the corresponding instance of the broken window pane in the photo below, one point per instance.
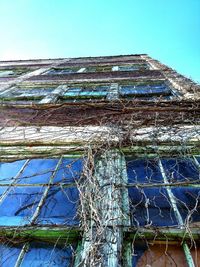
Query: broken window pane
(6, 73)
(138, 251)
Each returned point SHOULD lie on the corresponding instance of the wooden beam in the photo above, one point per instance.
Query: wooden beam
(52, 135)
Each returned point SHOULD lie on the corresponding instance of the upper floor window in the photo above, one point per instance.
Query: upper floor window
(87, 92)
(14, 72)
(6, 73)
(131, 67)
(162, 191)
(145, 89)
(97, 68)
(25, 95)
(148, 90)
(58, 71)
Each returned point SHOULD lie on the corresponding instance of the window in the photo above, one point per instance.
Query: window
(145, 90)
(59, 71)
(94, 91)
(38, 211)
(36, 254)
(124, 90)
(33, 191)
(23, 95)
(6, 73)
(96, 68)
(131, 67)
(150, 205)
(14, 72)
(163, 192)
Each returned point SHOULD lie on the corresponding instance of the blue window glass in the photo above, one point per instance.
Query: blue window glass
(69, 171)
(38, 171)
(187, 198)
(150, 207)
(41, 254)
(8, 171)
(143, 171)
(144, 90)
(19, 205)
(188, 203)
(180, 169)
(60, 207)
(8, 254)
(93, 92)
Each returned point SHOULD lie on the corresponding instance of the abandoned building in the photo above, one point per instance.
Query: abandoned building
(99, 163)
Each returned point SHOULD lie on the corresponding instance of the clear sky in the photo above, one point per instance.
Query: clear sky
(168, 30)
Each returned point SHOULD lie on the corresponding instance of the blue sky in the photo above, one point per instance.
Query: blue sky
(168, 30)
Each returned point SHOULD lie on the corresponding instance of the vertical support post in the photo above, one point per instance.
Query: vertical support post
(81, 70)
(22, 255)
(177, 214)
(113, 93)
(102, 244)
(54, 96)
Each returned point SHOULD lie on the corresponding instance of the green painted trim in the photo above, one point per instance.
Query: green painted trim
(31, 232)
(127, 254)
(166, 234)
(149, 151)
(188, 255)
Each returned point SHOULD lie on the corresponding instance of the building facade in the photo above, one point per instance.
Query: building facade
(99, 163)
